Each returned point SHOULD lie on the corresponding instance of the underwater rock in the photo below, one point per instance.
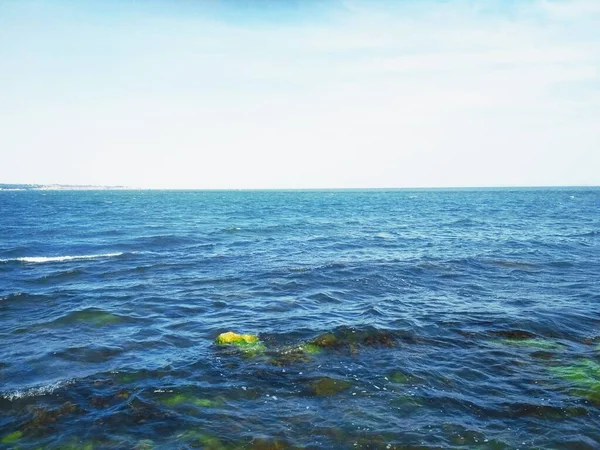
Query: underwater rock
(326, 340)
(105, 402)
(132, 377)
(141, 412)
(584, 377)
(514, 334)
(76, 444)
(144, 444)
(123, 394)
(100, 402)
(250, 344)
(205, 441)
(542, 355)
(237, 339)
(406, 401)
(177, 399)
(12, 437)
(43, 418)
(265, 444)
(351, 339)
(545, 411)
(311, 349)
(93, 317)
(328, 386)
(295, 354)
(400, 377)
(458, 435)
(537, 343)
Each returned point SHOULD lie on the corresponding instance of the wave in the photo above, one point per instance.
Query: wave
(47, 259)
(35, 391)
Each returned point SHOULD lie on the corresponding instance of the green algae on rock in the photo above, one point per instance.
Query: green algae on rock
(400, 377)
(328, 386)
(535, 343)
(12, 437)
(584, 377)
(406, 401)
(44, 419)
(76, 444)
(532, 344)
(144, 444)
(326, 340)
(177, 399)
(351, 339)
(199, 438)
(295, 354)
(94, 317)
(311, 349)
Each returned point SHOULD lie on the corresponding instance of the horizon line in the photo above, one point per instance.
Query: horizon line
(79, 187)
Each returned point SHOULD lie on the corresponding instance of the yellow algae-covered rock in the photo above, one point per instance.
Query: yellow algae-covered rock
(249, 344)
(236, 339)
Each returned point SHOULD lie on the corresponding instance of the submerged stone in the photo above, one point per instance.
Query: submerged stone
(351, 339)
(264, 444)
(144, 444)
(132, 377)
(515, 334)
(206, 441)
(542, 355)
(95, 317)
(44, 418)
(249, 343)
(12, 437)
(237, 339)
(311, 349)
(584, 377)
(105, 402)
(401, 377)
(326, 340)
(329, 386)
(546, 411)
(537, 343)
(295, 354)
(406, 401)
(177, 399)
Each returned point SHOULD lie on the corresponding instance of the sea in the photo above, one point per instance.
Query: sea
(379, 319)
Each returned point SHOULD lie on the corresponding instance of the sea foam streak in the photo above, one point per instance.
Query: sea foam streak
(35, 391)
(45, 259)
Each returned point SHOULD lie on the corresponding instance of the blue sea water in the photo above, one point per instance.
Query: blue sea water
(435, 318)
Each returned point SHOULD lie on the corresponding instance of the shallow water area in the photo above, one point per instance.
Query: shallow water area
(402, 319)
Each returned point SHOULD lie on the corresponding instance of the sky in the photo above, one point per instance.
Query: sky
(225, 94)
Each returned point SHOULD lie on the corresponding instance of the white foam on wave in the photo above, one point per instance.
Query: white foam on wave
(35, 391)
(45, 259)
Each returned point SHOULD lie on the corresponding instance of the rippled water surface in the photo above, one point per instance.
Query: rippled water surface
(387, 319)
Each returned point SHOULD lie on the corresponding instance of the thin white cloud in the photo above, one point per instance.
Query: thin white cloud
(379, 94)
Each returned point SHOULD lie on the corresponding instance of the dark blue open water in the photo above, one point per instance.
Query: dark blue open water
(439, 319)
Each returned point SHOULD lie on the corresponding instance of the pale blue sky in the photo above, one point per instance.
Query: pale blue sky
(300, 94)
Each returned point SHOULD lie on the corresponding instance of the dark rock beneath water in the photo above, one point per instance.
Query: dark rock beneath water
(327, 340)
(545, 411)
(542, 355)
(105, 402)
(328, 386)
(514, 334)
(266, 444)
(351, 339)
(43, 419)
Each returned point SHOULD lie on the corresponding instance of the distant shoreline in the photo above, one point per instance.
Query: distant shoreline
(61, 187)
